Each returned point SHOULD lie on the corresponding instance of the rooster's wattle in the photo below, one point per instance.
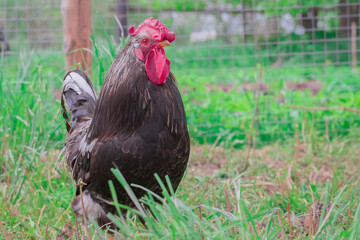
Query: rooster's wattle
(138, 124)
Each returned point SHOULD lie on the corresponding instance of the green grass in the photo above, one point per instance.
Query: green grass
(216, 113)
(302, 158)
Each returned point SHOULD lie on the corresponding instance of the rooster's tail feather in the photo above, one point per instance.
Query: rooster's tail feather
(79, 95)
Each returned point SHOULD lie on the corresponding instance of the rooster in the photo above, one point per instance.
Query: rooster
(138, 124)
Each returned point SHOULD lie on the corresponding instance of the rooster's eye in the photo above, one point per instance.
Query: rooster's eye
(145, 41)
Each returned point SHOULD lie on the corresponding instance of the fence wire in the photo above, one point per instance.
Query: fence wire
(302, 46)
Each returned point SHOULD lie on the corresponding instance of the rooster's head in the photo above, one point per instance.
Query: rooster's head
(150, 38)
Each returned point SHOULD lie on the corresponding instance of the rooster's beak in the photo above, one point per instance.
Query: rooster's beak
(164, 43)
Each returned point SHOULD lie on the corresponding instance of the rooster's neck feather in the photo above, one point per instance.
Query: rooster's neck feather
(124, 101)
(128, 98)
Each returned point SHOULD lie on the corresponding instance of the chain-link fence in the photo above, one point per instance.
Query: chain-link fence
(264, 68)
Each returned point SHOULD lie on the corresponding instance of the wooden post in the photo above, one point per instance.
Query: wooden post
(77, 30)
(353, 44)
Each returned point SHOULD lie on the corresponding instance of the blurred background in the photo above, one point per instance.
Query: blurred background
(249, 71)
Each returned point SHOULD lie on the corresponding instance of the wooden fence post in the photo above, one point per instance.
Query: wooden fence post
(77, 30)
(353, 44)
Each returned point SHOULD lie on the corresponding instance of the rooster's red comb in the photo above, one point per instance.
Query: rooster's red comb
(155, 28)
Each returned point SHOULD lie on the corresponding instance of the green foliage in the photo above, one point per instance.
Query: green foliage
(178, 5)
(279, 7)
(270, 8)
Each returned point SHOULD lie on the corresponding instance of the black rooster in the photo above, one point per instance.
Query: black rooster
(138, 124)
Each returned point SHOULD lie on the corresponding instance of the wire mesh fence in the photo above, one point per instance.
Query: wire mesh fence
(269, 68)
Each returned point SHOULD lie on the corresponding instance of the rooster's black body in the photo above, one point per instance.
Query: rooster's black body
(135, 125)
